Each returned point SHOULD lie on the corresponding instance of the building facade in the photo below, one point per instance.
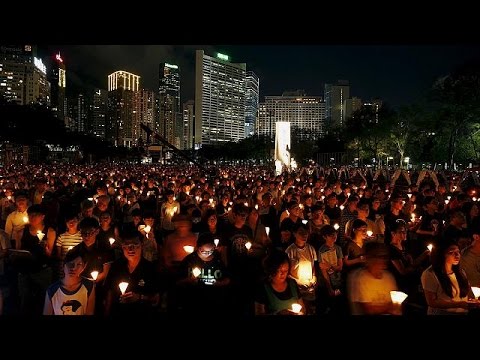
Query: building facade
(58, 84)
(170, 114)
(251, 103)
(220, 94)
(335, 95)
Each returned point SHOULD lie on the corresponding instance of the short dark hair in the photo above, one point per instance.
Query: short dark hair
(273, 262)
(205, 238)
(88, 223)
(36, 209)
(129, 235)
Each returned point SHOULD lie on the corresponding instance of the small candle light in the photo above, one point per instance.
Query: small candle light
(91, 199)
(111, 240)
(446, 202)
(342, 207)
(256, 206)
(25, 219)
(40, 235)
(409, 196)
(296, 308)
(196, 272)
(147, 229)
(304, 222)
(476, 291)
(474, 199)
(211, 201)
(336, 226)
(9, 197)
(430, 247)
(267, 230)
(123, 287)
(398, 297)
(305, 274)
(216, 241)
(248, 245)
(369, 233)
(413, 217)
(188, 249)
(449, 197)
(246, 204)
(94, 275)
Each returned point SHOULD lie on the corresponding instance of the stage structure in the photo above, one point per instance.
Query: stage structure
(282, 143)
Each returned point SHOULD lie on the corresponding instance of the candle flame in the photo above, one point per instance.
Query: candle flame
(296, 308)
(25, 219)
(267, 230)
(111, 240)
(304, 222)
(147, 229)
(94, 275)
(188, 248)
(196, 272)
(216, 241)
(476, 291)
(398, 297)
(336, 226)
(369, 233)
(248, 245)
(429, 247)
(123, 287)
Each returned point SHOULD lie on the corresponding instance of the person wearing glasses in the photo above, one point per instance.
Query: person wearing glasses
(73, 294)
(446, 287)
(142, 294)
(204, 279)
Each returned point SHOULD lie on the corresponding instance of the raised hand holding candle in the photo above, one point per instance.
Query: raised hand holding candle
(216, 241)
(476, 291)
(429, 247)
(296, 308)
(40, 235)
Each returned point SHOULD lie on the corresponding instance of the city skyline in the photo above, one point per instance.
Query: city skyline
(398, 74)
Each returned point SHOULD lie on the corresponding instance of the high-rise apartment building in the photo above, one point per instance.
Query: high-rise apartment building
(15, 62)
(100, 97)
(306, 115)
(220, 93)
(350, 106)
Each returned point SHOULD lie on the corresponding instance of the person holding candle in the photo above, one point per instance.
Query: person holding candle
(278, 292)
(302, 260)
(470, 259)
(7, 205)
(142, 293)
(354, 253)
(17, 219)
(445, 283)
(73, 294)
(204, 280)
(369, 289)
(35, 271)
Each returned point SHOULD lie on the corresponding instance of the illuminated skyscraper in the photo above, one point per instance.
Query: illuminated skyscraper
(220, 88)
(15, 62)
(188, 125)
(252, 99)
(123, 108)
(169, 103)
(306, 114)
(100, 97)
(58, 83)
(335, 95)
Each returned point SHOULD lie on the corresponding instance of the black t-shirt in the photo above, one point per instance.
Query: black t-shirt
(95, 256)
(143, 280)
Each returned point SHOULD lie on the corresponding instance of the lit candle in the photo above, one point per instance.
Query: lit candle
(40, 235)
(305, 272)
(267, 230)
(91, 199)
(188, 249)
(25, 219)
(398, 297)
(304, 222)
(123, 286)
(342, 207)
(446, 202)
(211, 201)
(9, 197)
(70, 248)
(248, 245)
(246, 204)
(413, 217)
(336, 226)
(369, 233)
(430, 247)
(94, 275)
(409, 196)
(449, 197)
(147, 229)
(256, 206)
(111, 240)
(476, 291)
(196, 272)
(216, 241)
(474, 199)
(296, 308)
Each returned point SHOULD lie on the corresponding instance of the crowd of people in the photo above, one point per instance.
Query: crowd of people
(139, 240)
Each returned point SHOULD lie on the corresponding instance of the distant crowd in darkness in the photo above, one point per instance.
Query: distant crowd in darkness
(140, 240)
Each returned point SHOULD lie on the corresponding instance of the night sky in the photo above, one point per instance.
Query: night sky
(398, 74)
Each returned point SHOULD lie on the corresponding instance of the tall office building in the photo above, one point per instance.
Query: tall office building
(252, 100)
(306, 115)
(122, 108)
(350, 106)
(188, 125)
(58, 83)
(15, 62)
(99, 112)
(220, 88)
(148, 111)
(169, 103)
(81, 114)
(37, 86)
(335, 95)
